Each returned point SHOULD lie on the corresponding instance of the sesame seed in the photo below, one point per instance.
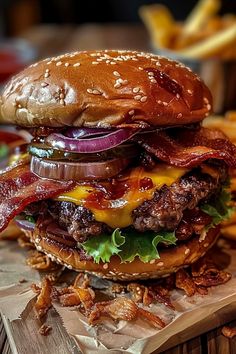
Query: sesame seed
(96, 92)
(113, 63)
(125, 82)
(107, 61)
(177, 95)
(190, 92)
(143, 99)
(116, 73)
(62, 95)
(152, 261)
(150, 73)
(159, 102)
(89, 90)
(140, 68)
(208, 107)
(205, 100)
(131, 112)
(179, 115)
(136, 89)
(46, 75)
(160, 264)
(47, 70)
(49, 62)
(158, 64)
(19, 105)
(138, 97)
(187, 251)
(95, 62)
(67, 64)
(76, 64)
(117, 85)
(105, 266)
(58, 63)
(165, 103)
(206, 245)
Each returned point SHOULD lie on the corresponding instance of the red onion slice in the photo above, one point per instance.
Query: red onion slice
(109, 141)
(77, 171)
(25, 224)
(77, 133)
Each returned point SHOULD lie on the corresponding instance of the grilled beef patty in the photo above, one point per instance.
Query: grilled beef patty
(171, 208)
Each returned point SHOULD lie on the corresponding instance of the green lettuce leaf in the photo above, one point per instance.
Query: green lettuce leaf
(221, 209)
(102, 247)
(127, 245)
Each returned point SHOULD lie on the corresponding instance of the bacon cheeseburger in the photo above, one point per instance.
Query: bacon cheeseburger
(123, 181)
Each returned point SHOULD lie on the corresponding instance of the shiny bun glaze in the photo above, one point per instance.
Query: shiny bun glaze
(171, 259)
(105, 88)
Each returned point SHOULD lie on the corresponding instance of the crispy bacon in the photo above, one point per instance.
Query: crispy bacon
(20, 187)
(184, 147)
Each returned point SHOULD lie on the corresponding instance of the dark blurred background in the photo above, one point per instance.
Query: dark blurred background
(19, 15)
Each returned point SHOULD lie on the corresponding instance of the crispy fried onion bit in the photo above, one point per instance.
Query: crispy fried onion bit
(80, 294)
(147, 294)
(123, 308)
(203, 274)
(40, 261)
(228, 332)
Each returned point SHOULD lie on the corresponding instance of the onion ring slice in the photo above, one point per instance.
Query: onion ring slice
(77, 171)
(98, 144)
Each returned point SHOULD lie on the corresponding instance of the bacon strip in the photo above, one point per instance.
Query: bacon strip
(184, 147)
(20, 187)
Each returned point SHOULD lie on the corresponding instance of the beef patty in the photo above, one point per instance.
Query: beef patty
(167, 210)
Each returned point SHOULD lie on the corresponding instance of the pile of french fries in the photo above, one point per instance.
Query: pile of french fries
(204, 34)
(227, 124)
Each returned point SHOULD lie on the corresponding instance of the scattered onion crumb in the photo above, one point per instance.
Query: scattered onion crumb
(45, 330)
(228, 332)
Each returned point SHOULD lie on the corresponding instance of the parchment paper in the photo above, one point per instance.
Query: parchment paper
(110, 337)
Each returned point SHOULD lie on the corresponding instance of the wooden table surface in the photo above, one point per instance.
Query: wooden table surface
(53, 39)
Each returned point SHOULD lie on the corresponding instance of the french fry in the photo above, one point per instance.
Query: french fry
(160, 24)
(231, 116)
(210, 46)
(229, 231)
(200, 14)
(227, 126)
(204, 34)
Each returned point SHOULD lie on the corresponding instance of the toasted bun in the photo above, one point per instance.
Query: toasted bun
(103, 89)
(171, 259)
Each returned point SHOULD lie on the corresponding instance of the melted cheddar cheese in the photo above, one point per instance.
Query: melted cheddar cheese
(116, 209)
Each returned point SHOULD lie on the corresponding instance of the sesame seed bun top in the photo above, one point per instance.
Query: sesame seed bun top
(103, 89)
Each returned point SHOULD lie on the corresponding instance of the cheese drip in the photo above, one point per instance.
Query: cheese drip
(139, 185)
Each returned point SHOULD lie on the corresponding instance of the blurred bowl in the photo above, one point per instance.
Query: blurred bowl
(15, 54)
(219, 76)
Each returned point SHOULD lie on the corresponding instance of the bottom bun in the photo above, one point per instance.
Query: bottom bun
(171, 259)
